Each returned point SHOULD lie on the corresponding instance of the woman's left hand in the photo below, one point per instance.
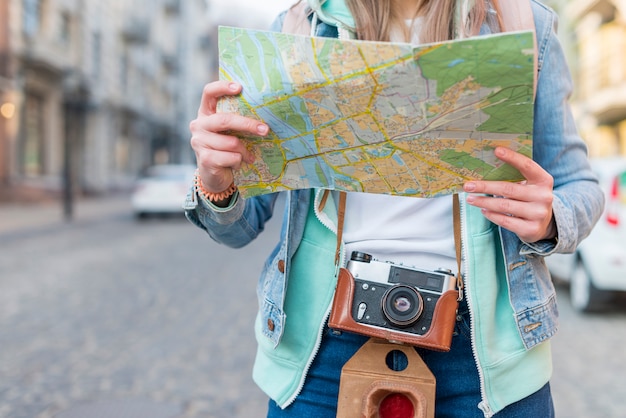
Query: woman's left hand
(524, 208)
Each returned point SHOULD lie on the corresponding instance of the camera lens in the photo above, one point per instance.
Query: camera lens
(402, 305)
(362, 257)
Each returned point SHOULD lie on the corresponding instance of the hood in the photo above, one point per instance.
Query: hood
(333, 12)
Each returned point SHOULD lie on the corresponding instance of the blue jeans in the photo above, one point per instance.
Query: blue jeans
(458, 385)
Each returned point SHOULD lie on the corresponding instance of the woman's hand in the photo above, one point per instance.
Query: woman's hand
(217, 152)
(524, 208)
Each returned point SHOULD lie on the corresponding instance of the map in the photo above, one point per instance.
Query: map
(378, 117)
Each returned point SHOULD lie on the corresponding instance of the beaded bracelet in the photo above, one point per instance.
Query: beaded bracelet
(213, 197)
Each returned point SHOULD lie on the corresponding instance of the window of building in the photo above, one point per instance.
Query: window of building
(31, 15)
(65, 29)
(32, 144)
(124, 71)
(96, 52)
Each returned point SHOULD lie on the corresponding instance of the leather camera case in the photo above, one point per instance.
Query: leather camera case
(438, 337)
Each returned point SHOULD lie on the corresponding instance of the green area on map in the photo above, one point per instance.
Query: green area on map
(379, 117)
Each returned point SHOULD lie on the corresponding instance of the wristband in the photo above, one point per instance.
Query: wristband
(214, 197)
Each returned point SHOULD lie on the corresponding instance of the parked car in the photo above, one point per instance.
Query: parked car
(161, 189)
(597, 270)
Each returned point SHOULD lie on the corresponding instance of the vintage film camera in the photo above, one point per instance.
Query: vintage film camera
(395, 302)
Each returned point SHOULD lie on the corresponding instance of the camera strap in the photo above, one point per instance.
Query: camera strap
(341, 214)
(456, 215)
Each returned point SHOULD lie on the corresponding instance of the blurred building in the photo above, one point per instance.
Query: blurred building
(93, 91)
(600, 73)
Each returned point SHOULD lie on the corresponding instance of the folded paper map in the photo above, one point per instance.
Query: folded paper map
(378, 117)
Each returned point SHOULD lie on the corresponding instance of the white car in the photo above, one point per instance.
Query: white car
(597, 270)
(161, 189)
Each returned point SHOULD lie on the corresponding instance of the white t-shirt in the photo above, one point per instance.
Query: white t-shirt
(414, 231)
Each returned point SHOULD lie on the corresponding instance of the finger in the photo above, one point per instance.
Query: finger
(505, 189)
(213, 91)
(532, 172)
(523, 192)
(233, 122)
(526, 230)
(220, 143)
(215, 161)
(509, 207)
(506, 220)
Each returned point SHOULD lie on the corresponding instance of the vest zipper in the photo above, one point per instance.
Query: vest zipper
(324, 220)
(484, 404)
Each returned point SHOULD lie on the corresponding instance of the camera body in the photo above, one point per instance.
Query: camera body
(395, 297)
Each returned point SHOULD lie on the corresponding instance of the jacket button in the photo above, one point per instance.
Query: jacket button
(270, 325)
(281, 266)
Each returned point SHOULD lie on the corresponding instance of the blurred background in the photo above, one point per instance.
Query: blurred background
(113, 305)
(93, 92)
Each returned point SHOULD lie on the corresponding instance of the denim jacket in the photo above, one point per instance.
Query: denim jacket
(509, 290)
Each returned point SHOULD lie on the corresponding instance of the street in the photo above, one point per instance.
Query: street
(114, 317)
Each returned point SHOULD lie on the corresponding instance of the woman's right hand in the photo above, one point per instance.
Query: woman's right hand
(218, 153)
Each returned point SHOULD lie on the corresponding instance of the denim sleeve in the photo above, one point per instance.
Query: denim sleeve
(558, 148)
(234, 226)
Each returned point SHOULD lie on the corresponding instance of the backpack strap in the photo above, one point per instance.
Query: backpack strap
(517, 15)
(296, 20)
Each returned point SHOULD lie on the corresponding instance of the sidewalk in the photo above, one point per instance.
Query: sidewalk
(15, 217)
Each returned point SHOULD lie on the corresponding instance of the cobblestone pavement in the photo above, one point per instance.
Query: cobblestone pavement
(113, 318)
(110, 317)
(589, 361)
(23, 218)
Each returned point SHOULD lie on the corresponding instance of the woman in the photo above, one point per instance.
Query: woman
(500, 361)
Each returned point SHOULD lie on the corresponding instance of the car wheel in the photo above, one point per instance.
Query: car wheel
(584, 296)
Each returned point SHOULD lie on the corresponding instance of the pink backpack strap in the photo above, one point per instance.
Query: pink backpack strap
(517, 15)
(296, 20)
